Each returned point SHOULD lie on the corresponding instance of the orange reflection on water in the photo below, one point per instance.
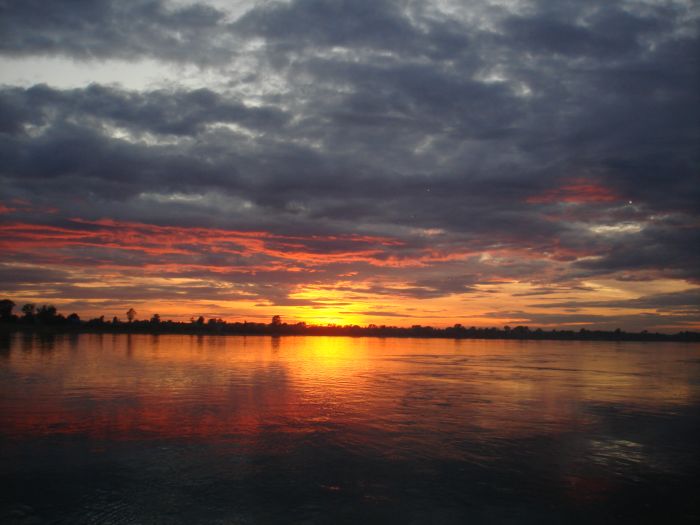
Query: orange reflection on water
(415, 395)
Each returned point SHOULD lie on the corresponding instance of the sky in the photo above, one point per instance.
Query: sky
(403, 162)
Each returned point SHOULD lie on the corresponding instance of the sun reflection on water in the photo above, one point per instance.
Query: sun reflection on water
(212, 387)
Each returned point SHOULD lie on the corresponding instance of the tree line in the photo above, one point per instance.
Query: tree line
(47, 317)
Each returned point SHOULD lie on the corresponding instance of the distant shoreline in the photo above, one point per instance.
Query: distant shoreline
(47, 320)
(419, 332)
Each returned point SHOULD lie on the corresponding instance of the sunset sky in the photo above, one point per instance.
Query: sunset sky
(354, 161)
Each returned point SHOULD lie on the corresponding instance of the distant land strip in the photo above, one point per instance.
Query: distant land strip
(46, 320)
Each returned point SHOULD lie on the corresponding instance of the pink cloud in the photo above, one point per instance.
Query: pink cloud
(578, 191)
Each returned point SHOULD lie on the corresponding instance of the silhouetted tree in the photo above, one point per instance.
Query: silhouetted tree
(6, 307)
(73, 318)
(29, 310)
(276, 320)
(131, 315)
(46, 313)
(97, 321)
(521, 331)
(155, 319)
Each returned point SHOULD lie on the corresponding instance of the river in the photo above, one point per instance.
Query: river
(229, 429)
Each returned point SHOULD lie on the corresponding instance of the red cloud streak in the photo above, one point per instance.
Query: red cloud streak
(189, 243)
(578, 191)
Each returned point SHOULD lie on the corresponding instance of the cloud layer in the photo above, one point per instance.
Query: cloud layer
(364, 153)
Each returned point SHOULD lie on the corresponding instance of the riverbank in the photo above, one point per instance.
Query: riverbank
(300, 329)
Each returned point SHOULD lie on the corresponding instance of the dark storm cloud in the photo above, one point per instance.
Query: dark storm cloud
(668, 246)
(633, 321)
(524, 130)
(685, 301)
(163, 112)
(18, 277)
(357, 27)
(379, 24)
(430, 287)
(149, 293)
(610, 32)
(87, 29)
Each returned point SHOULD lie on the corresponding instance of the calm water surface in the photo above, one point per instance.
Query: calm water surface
(206, 429)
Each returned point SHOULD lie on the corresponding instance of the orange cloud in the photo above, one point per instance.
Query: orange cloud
(162, 241)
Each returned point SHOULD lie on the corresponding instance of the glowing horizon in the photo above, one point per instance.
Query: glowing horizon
(159, 269)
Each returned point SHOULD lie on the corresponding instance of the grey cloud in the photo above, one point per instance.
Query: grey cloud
(379, 24)
(90, 29)
(550, 290)
(429, 287)
(644, 321)
(17, 277)
(446, 285)
(666, 247)
(685, 301)
(181, 113)
(606, 33)
(381, 313)
(149, 293)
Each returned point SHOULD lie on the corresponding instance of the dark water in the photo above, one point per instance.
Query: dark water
(176, 429)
